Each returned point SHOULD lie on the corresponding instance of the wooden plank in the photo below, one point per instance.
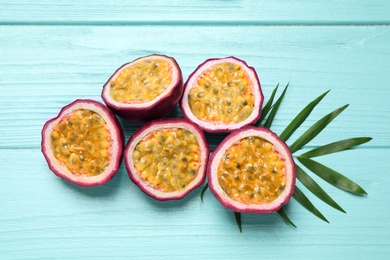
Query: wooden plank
(44, 217)
(45, 67)
(194, 12)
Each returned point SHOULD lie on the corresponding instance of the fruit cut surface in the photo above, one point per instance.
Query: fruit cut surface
(167, 158)
(144, 81)
(144, 89)
(222, 95)
(81, 142)
(252, 171)
(84, 143)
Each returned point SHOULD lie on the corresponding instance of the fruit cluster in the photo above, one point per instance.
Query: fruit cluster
(252, 170)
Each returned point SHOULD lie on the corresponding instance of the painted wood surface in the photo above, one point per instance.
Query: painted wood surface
(54, 52)
(178, 12)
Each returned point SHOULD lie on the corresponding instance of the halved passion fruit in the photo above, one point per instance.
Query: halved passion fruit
(252, 171)
(167, 158)
(144, 89)
(84, 143)
(222, 95)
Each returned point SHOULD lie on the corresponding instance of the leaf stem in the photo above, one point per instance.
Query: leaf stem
(237, 215)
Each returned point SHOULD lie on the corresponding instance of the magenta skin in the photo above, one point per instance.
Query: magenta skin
(117, 136)
(229, 203)
(223, 128)
(163, 104)
(166, 124)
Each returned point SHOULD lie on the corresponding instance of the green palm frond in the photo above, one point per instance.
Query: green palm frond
(329, 175)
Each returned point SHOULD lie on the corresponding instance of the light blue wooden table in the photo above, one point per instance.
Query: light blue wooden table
(52, 52)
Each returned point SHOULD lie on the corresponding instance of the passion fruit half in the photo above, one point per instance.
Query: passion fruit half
(252, 171)
(222, 95)
(84, 143)
(144, 89)
(167, 158)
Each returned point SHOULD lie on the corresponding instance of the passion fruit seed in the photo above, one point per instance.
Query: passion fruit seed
(143, 82)
(81, 141)
(251, 171)
(222, 94)
(167, 159)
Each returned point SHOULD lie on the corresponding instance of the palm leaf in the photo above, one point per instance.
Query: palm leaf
(333, 177)
(336, 147)
(301, 117)
(315, 129)
(285, 217)
(203, 191)
(275, 108)
(267, 107)
(305, 202)
(237, 215)
(312, 186)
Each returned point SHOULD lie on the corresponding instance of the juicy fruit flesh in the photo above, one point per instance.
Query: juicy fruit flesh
(143, 81)
(81, 141)
(252, 172)
(223, 94)
(167, 159)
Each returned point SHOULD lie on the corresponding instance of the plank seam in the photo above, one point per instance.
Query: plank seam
(195, 23)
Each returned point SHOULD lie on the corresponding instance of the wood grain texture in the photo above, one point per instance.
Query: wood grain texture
(55, 65)
(176, 12)
(52, 52)
(45, 217)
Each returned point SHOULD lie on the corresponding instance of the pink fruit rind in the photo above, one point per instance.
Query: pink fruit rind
(117, 144)
(283, 150)
(166, 124)
(211, 127)
(146, 111)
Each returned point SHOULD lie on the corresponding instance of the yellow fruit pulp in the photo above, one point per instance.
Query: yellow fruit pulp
(81, 142)
(168, 159)
(143, 81)
(251, 171)
(223, 94)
